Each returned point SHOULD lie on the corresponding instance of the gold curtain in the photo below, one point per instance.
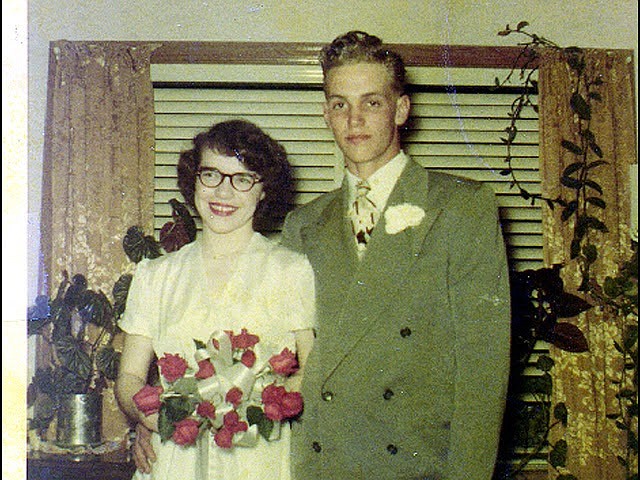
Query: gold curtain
(584, 380)
(98, 167)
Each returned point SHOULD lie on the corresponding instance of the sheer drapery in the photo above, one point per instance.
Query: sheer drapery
(584, 380)
(98, 166)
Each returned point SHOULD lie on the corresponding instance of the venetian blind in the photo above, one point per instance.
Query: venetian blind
(455, 126)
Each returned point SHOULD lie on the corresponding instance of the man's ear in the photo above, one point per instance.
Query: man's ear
(325, 114)
(403, 106)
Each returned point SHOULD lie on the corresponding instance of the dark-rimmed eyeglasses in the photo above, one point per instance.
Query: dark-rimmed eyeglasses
(241, 181)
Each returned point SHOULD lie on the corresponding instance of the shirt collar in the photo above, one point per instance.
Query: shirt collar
(382, 181)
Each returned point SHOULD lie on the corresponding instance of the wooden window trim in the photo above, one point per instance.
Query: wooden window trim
(260, 53)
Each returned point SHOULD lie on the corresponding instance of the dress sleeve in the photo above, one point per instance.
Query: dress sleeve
(301, 296)
(142, 308)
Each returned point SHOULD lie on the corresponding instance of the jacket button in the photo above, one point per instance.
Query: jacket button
(405, 332)
(316, 447)
(388, 393)
(327, 396)
(392, 449)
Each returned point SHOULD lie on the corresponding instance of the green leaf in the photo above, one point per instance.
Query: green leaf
(137, 245)
(597, 201)
(177, 408)
(571, 182)
(544, 363)
(561, 413)
(95, 308)
(572, 168)
(569, 338)
(590, 253)
(580, 106)
(572, 147)
(630, 338)
(558, 454)
(255, 416)
(199, 344)
(569, 210)
(73, 357)
(108, 362)
(120, 293)
(596, 186)
(165, 425)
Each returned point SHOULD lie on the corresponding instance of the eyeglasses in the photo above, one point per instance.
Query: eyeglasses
(241, 181)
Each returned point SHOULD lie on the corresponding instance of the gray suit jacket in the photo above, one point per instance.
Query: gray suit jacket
(408, 375)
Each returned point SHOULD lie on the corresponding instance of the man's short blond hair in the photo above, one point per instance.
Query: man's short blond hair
(360, 47)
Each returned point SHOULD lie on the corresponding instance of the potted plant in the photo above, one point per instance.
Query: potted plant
(79, 326)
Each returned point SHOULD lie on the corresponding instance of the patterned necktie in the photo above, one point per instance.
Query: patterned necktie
(364, 216)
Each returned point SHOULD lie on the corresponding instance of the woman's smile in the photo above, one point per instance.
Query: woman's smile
(222, 209)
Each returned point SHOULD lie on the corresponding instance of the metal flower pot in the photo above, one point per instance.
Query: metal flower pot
(79, 420)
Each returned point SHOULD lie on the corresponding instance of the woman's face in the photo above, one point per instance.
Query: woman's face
(224, 209)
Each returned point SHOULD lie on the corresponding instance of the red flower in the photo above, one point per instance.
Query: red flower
(186, 431)
(234, 397)
(205, 369)
(272, 394)
(148, 399)
(285, 363)
(291, 404)
(206, 409)
(248, 358)
(244, 340)
(280, 404)
(172, 367)
(224, 438)
(232, 422)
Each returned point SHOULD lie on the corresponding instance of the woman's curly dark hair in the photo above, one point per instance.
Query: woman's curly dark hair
(258, 152)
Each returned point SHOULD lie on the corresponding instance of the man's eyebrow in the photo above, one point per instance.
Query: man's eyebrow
(364, 95)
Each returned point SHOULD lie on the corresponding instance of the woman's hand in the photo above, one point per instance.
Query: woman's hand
(143, 453)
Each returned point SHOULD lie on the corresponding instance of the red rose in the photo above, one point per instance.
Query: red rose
(148, 399)
(232, 422)
(280, 404)
(172, 367)
(206, 409)
(224, 438)
(272, 394)
(291, 404)
(186, 431)
(285, 363)
(248, 358)
(244, 340)
(205, 369)
(234, 397)
(272, 397)
(273, 411)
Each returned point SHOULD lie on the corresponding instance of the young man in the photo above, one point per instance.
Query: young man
(408, 375)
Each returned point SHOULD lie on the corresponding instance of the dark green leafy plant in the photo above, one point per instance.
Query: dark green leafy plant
(83, 362)
(539, 299)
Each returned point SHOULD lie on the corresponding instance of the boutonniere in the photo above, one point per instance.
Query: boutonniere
(400, 217)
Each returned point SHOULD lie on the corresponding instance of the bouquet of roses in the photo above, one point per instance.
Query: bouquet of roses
(237, 392)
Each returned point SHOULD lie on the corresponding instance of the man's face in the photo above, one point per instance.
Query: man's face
(364, 113)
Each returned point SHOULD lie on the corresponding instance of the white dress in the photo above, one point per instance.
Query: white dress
(271, 294)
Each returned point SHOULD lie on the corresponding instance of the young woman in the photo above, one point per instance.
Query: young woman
(231, 278)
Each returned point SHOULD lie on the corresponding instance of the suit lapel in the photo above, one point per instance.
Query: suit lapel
(386, 264)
